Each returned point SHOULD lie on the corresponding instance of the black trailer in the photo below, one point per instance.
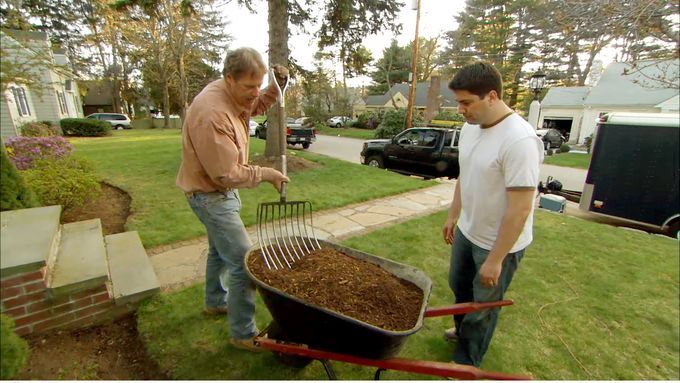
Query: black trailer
(634, 172)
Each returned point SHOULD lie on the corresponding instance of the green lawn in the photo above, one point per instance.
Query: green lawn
(571, 160)
(592, 302)
(144, 163)
(364, 134)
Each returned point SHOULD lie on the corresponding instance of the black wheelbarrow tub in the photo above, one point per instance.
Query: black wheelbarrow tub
(297, 321)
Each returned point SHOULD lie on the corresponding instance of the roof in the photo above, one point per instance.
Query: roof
(565, 97)
(637, 87)
(420, 95)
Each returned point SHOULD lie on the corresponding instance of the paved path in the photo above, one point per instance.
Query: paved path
(183, 263)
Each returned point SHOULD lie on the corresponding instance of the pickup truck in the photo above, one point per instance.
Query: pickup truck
(295, 134)
(425, 152)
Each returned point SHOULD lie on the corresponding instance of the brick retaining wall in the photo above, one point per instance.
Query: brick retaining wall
(26, 298)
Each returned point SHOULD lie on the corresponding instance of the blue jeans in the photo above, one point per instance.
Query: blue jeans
(476, 329)
(228, 243)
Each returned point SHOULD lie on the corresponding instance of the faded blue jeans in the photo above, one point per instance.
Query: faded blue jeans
(228, 244)
(476, 329)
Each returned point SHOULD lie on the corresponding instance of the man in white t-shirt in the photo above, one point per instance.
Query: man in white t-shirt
(490, 220)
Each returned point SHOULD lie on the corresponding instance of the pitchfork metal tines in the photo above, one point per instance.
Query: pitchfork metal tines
(283, 228)
(285, 232)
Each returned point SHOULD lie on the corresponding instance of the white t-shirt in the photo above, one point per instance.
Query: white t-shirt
(505, 155)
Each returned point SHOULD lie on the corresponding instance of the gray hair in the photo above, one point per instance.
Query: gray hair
(244, 61)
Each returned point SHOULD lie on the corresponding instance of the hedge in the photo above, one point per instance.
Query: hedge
(85, 127)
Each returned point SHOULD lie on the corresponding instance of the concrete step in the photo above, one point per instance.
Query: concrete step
(28, 238)
(81, 260)
(132, 275)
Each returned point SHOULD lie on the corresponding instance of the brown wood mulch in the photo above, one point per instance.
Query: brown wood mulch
(361, 290)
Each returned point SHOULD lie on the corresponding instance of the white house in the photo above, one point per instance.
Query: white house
(648, 89)
(59, 97)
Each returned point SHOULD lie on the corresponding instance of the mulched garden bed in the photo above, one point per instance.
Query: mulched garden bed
(330, 279)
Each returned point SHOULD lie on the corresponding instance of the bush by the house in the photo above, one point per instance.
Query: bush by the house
(24, 151)
(14, 194)
(85, 127)
(13, 349)
(393, 122)
(69, 182)
(564, 148)
(366, 120)
(39, 129)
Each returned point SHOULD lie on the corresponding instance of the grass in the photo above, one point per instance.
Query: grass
(145, 162)
(571, 160)
(364, 134)
(591, 302)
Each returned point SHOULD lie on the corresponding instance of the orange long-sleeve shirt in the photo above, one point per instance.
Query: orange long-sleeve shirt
(215, 141)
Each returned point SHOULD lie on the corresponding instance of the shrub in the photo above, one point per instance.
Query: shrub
(367, 120)
(69, 182)
(549, 152)
(14, 194)
(13, 348)
(393, 122)
(24, 151)
(564, 148)
(85, 127)
(39, 129)
(449, 116)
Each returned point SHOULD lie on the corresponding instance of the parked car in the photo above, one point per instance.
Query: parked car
(252, 128)
(117, 120)
(295, 134)
(425, 152)
(337, 121)
(552, 138)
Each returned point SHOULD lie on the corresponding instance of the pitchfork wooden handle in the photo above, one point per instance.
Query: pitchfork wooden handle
(282, 126)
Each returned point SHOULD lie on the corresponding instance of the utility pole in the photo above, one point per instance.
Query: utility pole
(414, 77)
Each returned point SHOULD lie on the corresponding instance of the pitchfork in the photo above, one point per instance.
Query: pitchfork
(282, 227)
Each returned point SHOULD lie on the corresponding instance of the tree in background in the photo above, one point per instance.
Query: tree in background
(392, 68)
(346, 23)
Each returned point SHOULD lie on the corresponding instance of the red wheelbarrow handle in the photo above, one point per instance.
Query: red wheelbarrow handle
(464, 308)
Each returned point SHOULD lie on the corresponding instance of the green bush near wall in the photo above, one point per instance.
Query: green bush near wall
(14, 193)
(13, 349)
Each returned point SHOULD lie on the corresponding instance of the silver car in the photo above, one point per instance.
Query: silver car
(117, 120)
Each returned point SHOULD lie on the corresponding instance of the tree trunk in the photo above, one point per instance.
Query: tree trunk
(278, 54)
(183, 94)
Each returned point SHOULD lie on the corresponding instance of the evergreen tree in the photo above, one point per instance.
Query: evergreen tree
(14, 193)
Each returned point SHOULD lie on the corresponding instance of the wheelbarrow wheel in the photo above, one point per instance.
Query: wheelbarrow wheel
(296, 361)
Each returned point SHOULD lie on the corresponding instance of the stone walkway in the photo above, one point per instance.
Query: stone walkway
(183, 264)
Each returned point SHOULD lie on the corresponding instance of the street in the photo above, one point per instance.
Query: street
(348, 149)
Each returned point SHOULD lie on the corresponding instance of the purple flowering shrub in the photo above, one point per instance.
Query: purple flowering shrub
(24, 151)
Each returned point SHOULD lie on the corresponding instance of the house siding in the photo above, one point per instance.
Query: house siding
(11, 119)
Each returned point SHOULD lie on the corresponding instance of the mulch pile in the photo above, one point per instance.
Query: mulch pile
(355, 288)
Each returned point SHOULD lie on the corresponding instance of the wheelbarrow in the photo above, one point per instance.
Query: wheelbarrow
(301, 332)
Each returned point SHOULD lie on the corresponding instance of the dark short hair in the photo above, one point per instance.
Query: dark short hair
(479, 79)
(244, 61)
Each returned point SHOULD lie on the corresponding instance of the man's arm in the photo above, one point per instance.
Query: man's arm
(520, 202)
(454, 213)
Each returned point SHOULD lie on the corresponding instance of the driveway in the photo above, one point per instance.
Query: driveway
(348, 149)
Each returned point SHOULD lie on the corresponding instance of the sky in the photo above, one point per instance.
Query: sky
(247, 29)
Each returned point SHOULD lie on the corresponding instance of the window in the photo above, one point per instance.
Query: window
(428, 138)
(21, 101)
(62, 102)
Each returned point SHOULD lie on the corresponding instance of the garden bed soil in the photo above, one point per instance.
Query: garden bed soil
(358, 289)
(293, 163)
(108, 352)
(112, 207)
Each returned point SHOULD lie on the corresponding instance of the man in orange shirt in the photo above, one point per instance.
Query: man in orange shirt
(214, 166)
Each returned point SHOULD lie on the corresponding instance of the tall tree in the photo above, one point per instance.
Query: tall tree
(392, 68)
(346, 23)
